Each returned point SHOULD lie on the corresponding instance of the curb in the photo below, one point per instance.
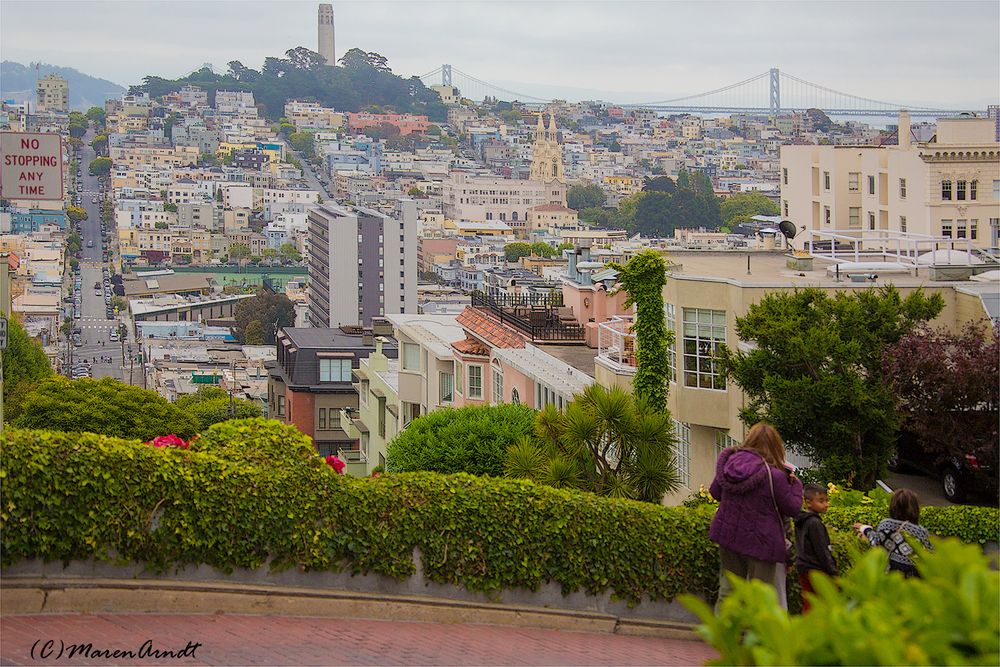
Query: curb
(60, 595)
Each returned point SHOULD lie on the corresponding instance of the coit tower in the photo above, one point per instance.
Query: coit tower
(326, 34)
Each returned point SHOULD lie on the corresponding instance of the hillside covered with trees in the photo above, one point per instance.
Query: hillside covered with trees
(363, 80)
(17, 82)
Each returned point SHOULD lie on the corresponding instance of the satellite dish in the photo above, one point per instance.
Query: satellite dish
(787, 228)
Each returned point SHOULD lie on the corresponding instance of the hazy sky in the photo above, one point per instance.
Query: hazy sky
(922, 53)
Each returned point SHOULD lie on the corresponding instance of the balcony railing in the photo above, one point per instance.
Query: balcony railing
(538, 316)
(616, 344)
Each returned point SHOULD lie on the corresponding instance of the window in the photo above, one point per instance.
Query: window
(902, 223)
(785, 207)
(902, 188)
(704, 332)
(871, 220)
(973, 231)
(961, 228)
(497, 386)
(946, 190)
(853, 180)
(946, 228)
(682, 451)
(281, 404)
(996, 190)
(446, 384)
(973, 190)
(411, 357)
(871, 185)
(334, 370)
(784, 175)
(321, 422)
(475, 382)
(826, 215)
(724, 441)
(459, 378)
(381, 416)
(671, 315)
(854, 217)
(960, 190)
(826, 180)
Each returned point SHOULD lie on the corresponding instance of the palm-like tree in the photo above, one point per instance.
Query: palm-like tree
(606, 441)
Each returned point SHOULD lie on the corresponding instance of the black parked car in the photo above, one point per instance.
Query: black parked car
(961, 476)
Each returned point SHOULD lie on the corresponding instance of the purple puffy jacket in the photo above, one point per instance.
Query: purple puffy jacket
(747, 522)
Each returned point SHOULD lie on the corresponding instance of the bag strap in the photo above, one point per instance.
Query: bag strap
(770, 482)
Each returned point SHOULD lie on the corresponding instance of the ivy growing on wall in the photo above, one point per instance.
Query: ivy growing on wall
(643, 277)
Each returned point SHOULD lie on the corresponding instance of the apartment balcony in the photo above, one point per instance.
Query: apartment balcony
(350, 422)
(541, 319)
(616, 345)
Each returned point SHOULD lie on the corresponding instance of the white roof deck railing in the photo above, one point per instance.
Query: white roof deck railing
(903, 248)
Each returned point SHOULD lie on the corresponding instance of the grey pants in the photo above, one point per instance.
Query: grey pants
(743, 567)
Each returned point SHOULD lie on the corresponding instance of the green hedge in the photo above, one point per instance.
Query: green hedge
(252, 493)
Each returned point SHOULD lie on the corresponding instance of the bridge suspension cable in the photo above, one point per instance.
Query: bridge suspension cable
(856, 97)
(724, 89)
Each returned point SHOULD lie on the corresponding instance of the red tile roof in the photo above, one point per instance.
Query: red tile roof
(480, 325)
(471, 346)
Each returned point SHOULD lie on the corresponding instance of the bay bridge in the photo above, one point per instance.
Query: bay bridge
(771, 92)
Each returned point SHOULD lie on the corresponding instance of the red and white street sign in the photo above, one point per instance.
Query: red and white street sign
(31, 166)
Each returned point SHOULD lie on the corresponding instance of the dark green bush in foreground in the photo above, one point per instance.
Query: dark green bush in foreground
(252, 493)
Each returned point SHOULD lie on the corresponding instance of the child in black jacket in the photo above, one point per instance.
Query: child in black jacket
(812, 542)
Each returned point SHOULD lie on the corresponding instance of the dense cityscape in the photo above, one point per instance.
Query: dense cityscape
(402, 276)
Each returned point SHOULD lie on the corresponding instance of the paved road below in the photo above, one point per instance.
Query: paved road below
(269, 640)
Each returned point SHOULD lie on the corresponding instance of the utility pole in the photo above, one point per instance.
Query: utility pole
(232, 388)
(131, 365)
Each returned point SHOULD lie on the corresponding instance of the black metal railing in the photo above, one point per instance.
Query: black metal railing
(538, 319)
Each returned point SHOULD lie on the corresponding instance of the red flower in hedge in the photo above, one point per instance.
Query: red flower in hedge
(168, 441)
(336, 464)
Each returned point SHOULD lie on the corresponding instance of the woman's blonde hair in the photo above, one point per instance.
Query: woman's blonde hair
(766, 441)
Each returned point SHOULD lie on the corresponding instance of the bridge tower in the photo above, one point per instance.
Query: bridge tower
(445, 75)
(775, 91)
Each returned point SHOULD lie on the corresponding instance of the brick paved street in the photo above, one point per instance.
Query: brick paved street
(270, 640)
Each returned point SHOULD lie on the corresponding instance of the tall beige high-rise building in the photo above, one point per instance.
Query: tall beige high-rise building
(326, 44)
(53, 93)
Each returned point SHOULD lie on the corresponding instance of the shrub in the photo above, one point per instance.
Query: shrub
(949, 616)
(472, 439)
(253, 493)
(211, 405)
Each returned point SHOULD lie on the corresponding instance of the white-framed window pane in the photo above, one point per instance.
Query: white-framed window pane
(334, 370)
(704, 332)
(497, 386)
(411, 357)
(682, 452)
(475, 381)
(670, 311)
(447, 385)
(724, 441)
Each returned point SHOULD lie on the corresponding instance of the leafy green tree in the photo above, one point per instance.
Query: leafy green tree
(643, 278)
(96, 116)
(542, 249)
(303, 142)
(100, 166)
(579, 197)
(471, 439)
(239, 251)
(269, 309)
(661, 184)
(211, 405)
(416, 193)
(815, 373)
(76, 213)
(290, 253)
(24, 365)
(78, 124)
(739, 208)
(74, 243)
(102, 406)
(99, 143)
(564, 246)
(170, 207)
(606, 441)
(515, 251)
(254, 334)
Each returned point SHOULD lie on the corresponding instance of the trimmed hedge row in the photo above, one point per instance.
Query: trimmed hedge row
(252, 493)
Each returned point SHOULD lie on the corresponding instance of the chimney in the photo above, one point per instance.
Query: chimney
(904, 129)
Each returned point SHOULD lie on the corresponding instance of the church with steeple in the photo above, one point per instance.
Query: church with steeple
(546, 156)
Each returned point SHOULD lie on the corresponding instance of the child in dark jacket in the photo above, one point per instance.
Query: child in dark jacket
(812, 542)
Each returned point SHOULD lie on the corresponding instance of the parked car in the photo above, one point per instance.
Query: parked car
(961, 476)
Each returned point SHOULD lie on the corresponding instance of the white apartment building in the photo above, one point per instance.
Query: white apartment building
(53, 93)
(485, 198)
(948, 187)
(362, 263)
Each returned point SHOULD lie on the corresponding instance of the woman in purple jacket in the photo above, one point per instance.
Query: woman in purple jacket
(756, 493)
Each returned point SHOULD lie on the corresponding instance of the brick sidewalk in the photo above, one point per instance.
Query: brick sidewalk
(274, 640)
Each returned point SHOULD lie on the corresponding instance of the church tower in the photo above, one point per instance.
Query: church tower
(546, 156)
(326, 45)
